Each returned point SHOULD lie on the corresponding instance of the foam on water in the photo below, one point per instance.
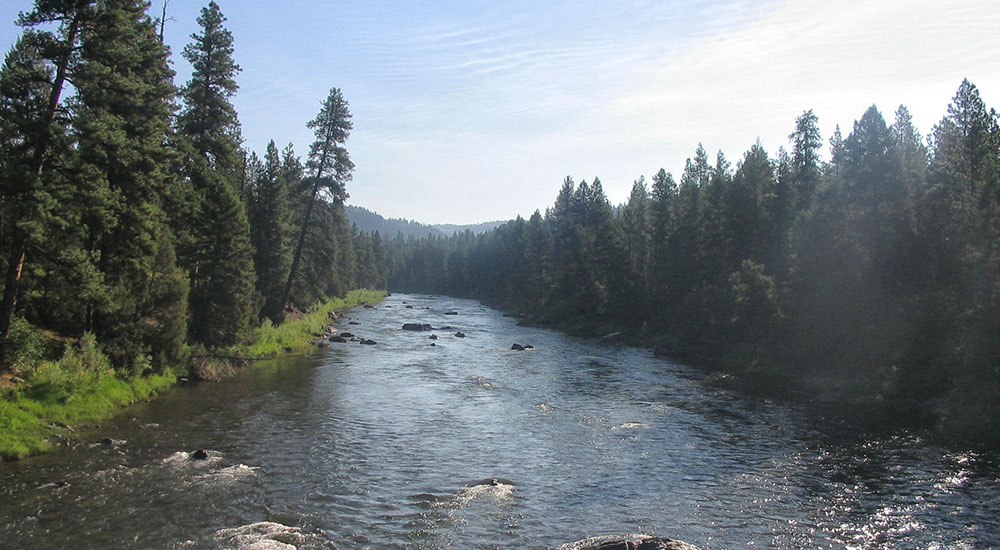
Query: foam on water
(269, 535)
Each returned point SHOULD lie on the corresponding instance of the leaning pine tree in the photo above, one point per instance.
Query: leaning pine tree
(329, 167)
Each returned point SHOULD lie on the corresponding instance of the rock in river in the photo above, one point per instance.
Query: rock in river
(517, 347)
(416, 326)
(628, 542)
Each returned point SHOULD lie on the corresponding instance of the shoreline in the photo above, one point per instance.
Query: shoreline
(840, 397)
(32, 423)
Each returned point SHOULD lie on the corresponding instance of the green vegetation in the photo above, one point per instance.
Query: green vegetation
(82, 387)
(136, 232)
(296, 335)
(872, 279)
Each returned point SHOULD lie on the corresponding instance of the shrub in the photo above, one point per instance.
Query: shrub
(24, 348)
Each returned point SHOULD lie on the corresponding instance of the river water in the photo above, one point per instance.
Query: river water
(468, 444)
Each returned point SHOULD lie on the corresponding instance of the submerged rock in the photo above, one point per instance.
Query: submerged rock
(459, 335)
(417, 326)
(628, 542)
(367, 342)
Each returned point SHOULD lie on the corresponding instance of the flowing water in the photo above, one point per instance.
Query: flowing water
(468, 444)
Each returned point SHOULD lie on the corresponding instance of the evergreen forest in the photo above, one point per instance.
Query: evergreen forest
(135, 220)
(133, 215)
(871, 280)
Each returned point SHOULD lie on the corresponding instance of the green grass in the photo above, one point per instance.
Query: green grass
(32, 418)
(296, 336)
(82, 388)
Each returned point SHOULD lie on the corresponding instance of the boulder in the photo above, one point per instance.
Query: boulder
(200, 454)
(451, 313)
(629, 542)
(409, 307)
(367, 342)
(529, 346)
(323, 343)
(433, 336)
(339, 339)
(347, 334)
(517, 347)
(353, 323)
(416, 326)
(459, 334)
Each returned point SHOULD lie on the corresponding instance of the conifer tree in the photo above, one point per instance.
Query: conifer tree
(223, 304)
(35, 75)
(122, 107)
(269, 225)
(806, 141)
(329, 168)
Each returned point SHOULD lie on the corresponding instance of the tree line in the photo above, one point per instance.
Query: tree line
(131, 209)
(874, 276)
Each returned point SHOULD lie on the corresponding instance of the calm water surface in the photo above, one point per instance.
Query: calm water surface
(467, 444)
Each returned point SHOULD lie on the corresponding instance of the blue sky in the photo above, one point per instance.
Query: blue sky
(474, 111)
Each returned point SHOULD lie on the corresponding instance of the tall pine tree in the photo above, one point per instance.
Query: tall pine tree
(223, 299)
(122, 114)
(329, 168)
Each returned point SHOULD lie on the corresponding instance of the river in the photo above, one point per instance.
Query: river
(468, 444)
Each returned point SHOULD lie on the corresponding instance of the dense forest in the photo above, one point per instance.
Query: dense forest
(130, 208)
(872, 279)
(371, 222)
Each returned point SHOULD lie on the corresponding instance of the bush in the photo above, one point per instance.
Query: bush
(81, 365)
(24, 348)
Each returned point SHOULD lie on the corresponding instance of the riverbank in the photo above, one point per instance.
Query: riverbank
(869, 397)
(39, 412)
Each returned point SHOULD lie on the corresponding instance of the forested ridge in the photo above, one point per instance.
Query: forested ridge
(134, 218)
(871, 279)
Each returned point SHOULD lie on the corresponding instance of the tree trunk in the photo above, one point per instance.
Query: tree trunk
(305, 224)
(15, 265)
(18, 252)
(298, 246)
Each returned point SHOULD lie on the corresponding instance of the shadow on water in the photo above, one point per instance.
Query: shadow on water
(471, 444)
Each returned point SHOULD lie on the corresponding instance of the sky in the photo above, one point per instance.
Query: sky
(469, 111)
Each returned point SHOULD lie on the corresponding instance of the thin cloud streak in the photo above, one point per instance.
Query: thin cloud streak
(471, 111)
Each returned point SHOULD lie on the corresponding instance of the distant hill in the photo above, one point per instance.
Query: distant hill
(388, 228)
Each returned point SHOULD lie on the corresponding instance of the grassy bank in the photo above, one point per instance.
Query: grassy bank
(82, 388)
(296, 335)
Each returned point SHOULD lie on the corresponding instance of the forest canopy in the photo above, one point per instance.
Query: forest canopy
(873, 277)
(132, 210)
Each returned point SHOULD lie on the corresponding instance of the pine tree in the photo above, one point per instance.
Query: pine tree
(34, 77)
(330, 168)
(806, 141)
(634, 222)
(223, 301)
(122, 107)
(269, 227)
